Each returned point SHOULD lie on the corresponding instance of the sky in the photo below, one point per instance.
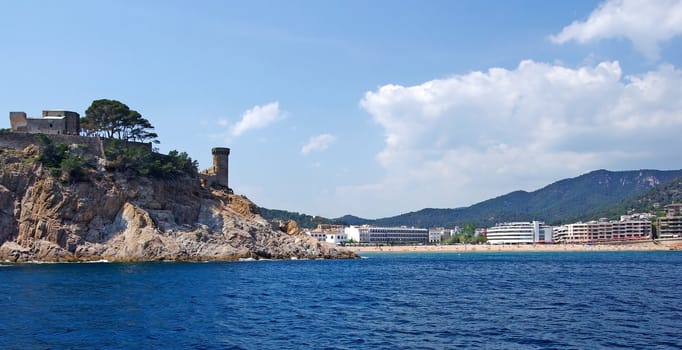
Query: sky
(371, 108)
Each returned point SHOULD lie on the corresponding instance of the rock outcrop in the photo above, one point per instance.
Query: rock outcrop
(122, 218)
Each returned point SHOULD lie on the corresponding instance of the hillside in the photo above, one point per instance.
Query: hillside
(651, 201)
(303, 220)
(563, 201)
(566, 200)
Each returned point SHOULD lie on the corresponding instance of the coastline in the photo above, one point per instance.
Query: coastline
(658, 245)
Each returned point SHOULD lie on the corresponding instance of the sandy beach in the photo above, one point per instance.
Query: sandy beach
(469, 248)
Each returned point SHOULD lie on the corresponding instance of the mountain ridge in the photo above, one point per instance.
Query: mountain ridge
(563, 201)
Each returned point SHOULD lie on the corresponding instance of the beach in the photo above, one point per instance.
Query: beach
(468, 248)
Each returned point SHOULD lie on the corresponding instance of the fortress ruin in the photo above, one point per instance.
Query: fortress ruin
(52, 122)
(218, 174)
(64, 127)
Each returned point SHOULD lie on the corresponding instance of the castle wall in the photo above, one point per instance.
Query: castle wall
(21, 140)
(72, 120)
(93, 145)
(46, 126)
(54, 122)
(18, 121)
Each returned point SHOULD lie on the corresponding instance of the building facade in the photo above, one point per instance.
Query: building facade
(603, 231)
(52, 122)
(436, 234)
(335, 237)
(519, 233)
(387, 235)
(670, 226)
(334, 234)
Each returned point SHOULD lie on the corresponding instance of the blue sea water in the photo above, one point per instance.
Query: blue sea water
(383, 301)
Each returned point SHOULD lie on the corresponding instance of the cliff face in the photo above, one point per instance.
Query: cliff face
(118, 218)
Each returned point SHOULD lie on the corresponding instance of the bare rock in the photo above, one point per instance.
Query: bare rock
(119, 218)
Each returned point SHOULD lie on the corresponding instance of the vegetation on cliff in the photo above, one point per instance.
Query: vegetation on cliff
(125, 131)
(141, 161)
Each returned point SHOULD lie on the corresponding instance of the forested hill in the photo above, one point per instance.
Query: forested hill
(652, 201)
(564, 201)
(561, 202)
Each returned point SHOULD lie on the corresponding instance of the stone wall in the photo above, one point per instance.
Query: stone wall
(93, 145)
(20, 141)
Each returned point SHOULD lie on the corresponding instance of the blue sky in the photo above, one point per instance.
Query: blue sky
(371, 108)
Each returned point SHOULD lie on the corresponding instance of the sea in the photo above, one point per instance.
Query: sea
(559, 300)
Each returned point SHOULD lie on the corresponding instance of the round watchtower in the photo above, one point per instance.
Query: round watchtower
(221, 157)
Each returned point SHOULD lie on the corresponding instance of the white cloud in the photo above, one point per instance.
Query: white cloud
(645, 23)
(318, 143)
(257, 117)
(469, 137)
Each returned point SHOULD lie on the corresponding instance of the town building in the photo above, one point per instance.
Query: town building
(638, 216)
(386, 235)
(440, 234)
(52, 122)
(336, 238)
(329, 233)
(670, 226)
(519, 233)
(436, 234)
(603, 231)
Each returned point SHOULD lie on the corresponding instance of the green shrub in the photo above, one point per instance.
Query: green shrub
(61, 163)
(139, 160)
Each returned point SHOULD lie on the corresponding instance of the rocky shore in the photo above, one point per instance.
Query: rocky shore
(116, 217)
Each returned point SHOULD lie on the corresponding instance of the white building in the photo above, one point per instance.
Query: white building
(329, 233)
(383, 235)
(436, 234)
(336, 238)
(321, 236)
(519, 232)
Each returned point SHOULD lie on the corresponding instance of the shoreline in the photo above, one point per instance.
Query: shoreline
(658, 245)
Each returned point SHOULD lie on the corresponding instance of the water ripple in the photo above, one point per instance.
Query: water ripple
(392, 301)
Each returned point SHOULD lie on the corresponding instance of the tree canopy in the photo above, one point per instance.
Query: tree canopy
(114, 119)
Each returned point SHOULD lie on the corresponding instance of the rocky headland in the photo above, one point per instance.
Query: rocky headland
(118, 217)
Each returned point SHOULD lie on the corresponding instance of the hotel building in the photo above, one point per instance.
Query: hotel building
(519, 232)
(384, 235)
(603, 231)
(670, 226)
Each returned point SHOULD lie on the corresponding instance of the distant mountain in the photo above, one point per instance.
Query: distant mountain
(563, 201)
(353, 220)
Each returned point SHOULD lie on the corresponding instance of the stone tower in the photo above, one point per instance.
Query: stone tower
(221, 157)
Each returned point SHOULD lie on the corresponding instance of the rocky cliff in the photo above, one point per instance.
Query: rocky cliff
(118, 217)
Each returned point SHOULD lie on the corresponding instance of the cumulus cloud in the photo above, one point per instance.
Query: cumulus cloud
(257, 117)
(458, 140)
(318, 143)
(645, 23)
